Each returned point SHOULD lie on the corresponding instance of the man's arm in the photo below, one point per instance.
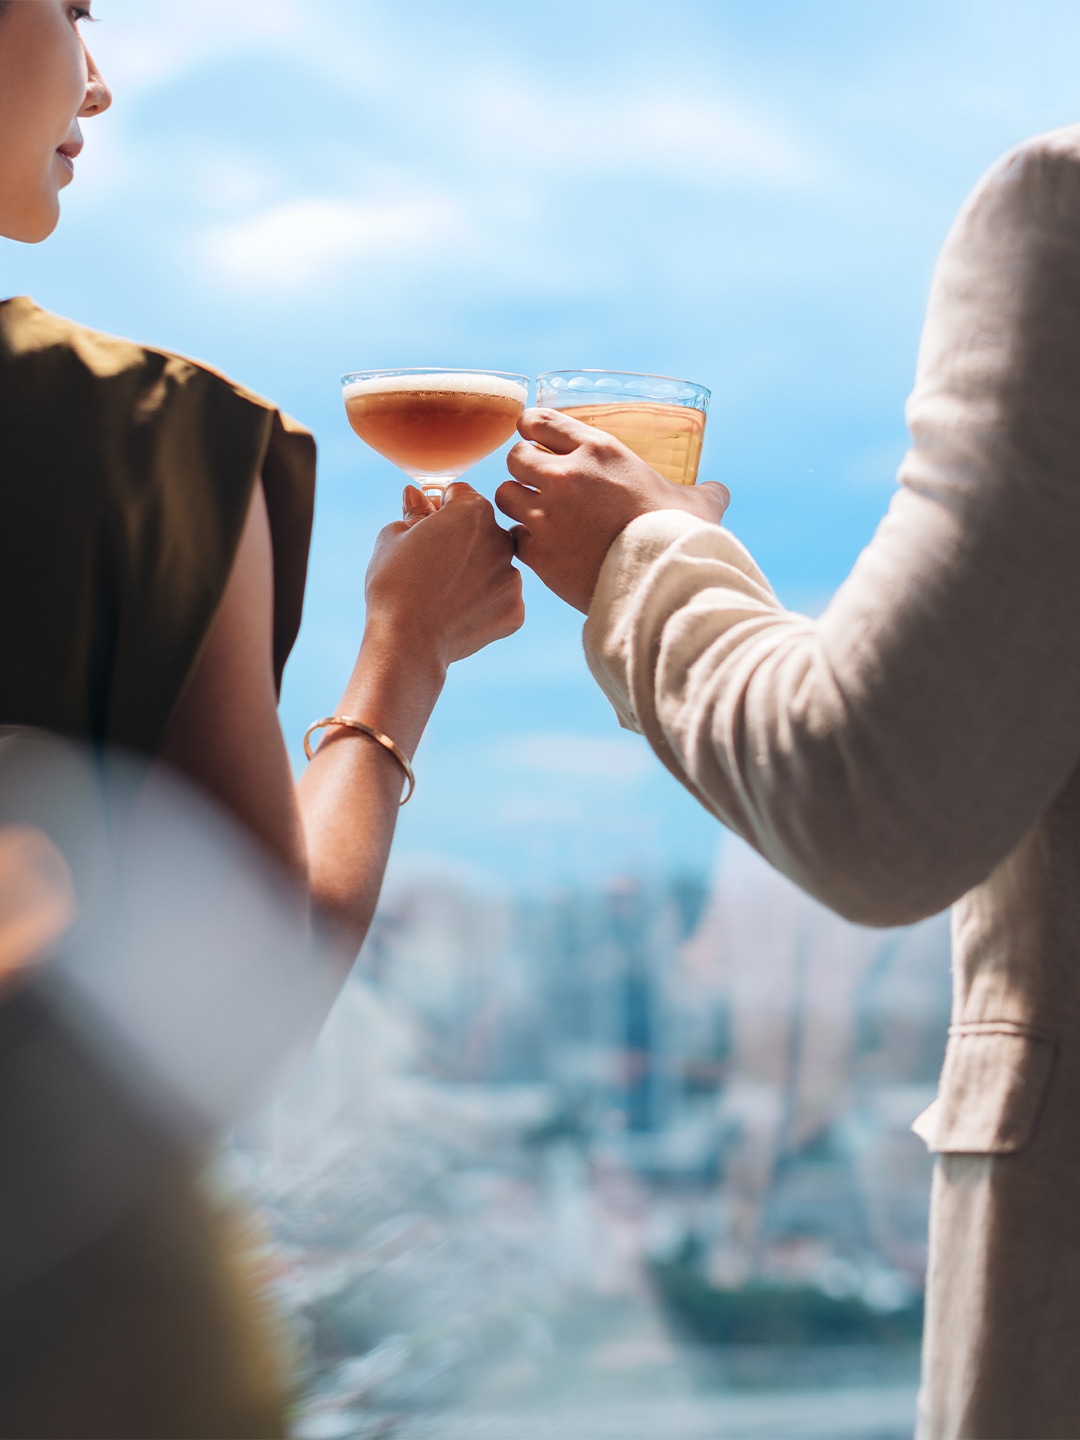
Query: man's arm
(890, 754)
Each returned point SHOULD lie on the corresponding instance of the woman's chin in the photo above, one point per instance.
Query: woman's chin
(31, 226)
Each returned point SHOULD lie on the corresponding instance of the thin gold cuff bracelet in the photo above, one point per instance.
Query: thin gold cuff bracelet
(373, 734)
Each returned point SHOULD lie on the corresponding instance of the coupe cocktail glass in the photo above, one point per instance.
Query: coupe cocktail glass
(660, 419)
(434, 423)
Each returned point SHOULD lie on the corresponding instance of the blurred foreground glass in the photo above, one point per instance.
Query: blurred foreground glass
(662, 420)
(434, 423)
(158, 977)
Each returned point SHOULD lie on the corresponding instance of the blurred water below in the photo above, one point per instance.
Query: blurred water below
(849, 1415)
(640, 1389)
(866, 1409)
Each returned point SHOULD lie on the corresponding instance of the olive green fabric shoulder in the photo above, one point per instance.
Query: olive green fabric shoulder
(125, 478)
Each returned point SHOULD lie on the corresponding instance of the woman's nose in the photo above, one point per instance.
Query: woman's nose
(98, 94)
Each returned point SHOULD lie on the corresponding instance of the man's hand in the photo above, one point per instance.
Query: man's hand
(573, 497)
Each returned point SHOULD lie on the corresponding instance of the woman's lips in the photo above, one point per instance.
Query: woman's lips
(69, 152)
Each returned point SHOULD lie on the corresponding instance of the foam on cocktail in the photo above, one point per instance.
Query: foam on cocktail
(496, 386)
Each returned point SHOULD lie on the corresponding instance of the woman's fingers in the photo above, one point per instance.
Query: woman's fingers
(461, 493)
(415, 505)
(514, 603)
(554, 430)
(459, 490)
(523, 542)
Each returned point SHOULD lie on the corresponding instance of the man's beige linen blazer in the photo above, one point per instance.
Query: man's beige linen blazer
(917, 747)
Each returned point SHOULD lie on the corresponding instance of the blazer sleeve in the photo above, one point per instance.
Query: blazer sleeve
(890, 754)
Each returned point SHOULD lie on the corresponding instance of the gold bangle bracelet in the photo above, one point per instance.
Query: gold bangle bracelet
(369, 730)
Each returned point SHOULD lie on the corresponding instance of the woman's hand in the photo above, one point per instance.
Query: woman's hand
(441, 584)
(571, 503)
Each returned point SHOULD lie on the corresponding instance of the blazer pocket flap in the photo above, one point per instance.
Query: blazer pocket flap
(992, 1087)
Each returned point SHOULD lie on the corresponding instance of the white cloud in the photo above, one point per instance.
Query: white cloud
(137, 52)
(502, 143)
(578, 756)
(700, 140)
(296, 244)
(718, 138)
(226, 179)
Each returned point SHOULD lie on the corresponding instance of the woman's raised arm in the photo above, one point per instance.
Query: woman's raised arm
(440, 586)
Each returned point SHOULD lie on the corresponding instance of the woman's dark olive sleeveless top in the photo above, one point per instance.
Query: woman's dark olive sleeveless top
(125, 478)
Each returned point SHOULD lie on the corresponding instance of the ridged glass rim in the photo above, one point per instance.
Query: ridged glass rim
(699, 401)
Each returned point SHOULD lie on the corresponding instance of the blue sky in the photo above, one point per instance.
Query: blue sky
(750, 195)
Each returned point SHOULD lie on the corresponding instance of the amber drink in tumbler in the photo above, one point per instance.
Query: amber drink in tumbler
(434, 424)
(662, 420)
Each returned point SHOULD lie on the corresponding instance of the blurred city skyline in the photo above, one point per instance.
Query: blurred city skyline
(640, 1144)
(750, 195)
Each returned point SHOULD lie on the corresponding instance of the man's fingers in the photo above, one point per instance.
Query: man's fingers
(717, 494)
(530, 465)
(554, 430)
(719, 488)
(516, 501)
